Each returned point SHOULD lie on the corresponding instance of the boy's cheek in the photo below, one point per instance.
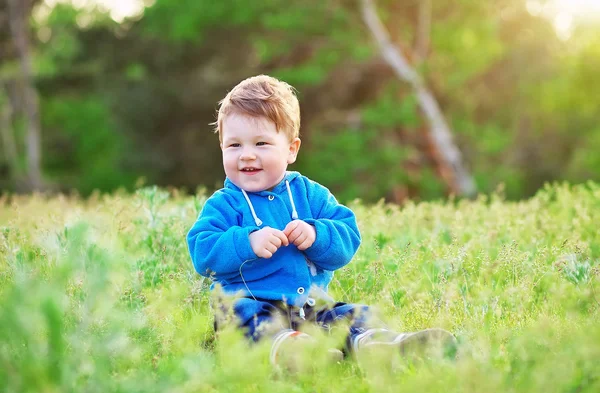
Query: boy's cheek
(229, 162)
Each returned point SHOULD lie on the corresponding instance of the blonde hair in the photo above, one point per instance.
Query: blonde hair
(264, 96)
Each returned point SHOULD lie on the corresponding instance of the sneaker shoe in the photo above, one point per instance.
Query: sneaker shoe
(428, 343)
(290, 351)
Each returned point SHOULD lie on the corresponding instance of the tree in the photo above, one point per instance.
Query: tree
(8, 137)
(18, 13)
(457, 176)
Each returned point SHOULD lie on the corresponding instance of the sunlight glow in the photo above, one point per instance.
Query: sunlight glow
(565, 14)
(578, 8)
(118, 10)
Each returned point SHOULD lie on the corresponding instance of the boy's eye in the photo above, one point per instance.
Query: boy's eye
(234, 145)
(261, 143)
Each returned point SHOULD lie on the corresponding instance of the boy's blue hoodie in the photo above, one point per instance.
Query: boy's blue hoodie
(220, 248)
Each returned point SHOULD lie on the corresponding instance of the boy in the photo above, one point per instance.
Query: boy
(275, 236)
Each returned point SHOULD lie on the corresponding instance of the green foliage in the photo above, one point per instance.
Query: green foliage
(348, 163)
(313, 72)
(188, 20)
(367, 161)
(521, 101)
(466, 50)
(65, 47)
(191, 20)
(100, 295)
(85, 130)
(391, 112)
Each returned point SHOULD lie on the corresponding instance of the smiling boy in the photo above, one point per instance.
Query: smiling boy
(255, 158)
(274, 236)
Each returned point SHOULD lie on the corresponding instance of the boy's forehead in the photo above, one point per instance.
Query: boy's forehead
(236, 124)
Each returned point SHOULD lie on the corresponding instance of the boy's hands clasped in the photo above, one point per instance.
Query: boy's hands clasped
(266, 241)
(301, 234)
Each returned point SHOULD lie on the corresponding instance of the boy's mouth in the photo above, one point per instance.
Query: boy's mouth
(250, 170)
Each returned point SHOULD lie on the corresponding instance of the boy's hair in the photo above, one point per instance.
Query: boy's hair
(264, 96)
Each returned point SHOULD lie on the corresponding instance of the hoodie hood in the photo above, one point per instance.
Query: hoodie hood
(284, 185)
(278, 189)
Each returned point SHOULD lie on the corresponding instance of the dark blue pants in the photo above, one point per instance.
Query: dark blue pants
(254, 314)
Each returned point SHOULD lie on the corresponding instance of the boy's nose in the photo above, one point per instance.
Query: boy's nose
(247, 154)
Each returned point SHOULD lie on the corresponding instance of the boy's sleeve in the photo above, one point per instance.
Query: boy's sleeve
(217, 244)
(338, 237)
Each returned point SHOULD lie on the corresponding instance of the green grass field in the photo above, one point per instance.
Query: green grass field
(101, 296)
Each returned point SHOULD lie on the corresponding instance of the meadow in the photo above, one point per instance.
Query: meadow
(99, 295)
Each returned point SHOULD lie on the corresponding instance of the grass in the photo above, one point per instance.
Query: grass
(100, 296)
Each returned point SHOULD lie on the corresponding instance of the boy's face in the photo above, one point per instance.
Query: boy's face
(255, 155)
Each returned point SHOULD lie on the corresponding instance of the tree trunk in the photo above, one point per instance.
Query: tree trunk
(439, 131)
(423, 31)
(8, 138)
(18, 12)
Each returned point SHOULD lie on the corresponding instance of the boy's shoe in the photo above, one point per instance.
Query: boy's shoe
(426, 343)
(290, 351)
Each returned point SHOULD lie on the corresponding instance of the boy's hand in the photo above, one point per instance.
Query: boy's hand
(301, 234)
(266, 241)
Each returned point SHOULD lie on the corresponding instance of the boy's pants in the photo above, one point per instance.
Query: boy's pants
(259, 318)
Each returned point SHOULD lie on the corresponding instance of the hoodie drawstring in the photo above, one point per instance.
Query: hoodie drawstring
(310, 301)
(257, 220)
(294, 212)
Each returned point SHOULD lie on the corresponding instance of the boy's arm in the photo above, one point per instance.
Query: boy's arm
(337, 234)
(217, 244)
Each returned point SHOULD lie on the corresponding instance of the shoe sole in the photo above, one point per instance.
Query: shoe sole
(335, 355)
(426, 343)
(295, 345)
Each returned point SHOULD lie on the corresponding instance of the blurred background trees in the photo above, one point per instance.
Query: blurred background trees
(127, 90)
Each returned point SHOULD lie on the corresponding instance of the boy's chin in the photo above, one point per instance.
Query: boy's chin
(256, 187)
(250, 187)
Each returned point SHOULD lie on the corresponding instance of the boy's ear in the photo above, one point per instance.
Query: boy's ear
(293, 153)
